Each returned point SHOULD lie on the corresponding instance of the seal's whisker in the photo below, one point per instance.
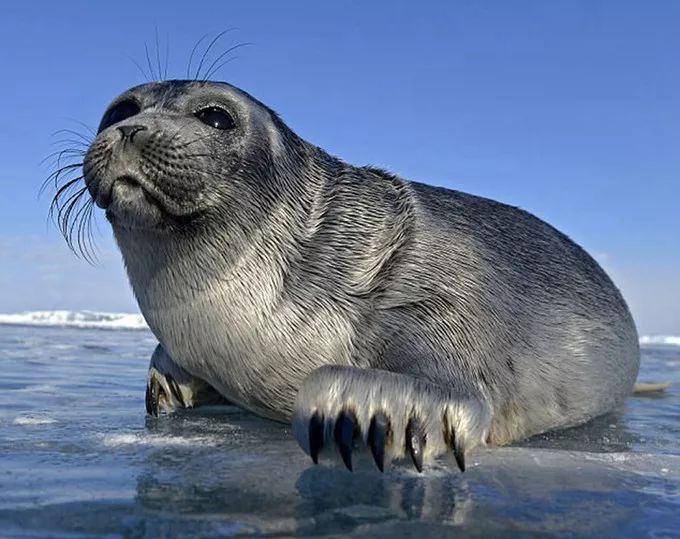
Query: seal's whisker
(193, 51)
(148, 61)
(60, 154)
(82, 137)
(63, 213)
(55, 176)
(83, 124)
(73, 206)
(167, 58)
(83, 231)
(73, 219)
(61, 171)
(207, 52)
(158, 55)
(220, 66)
(65, 189)
(67, 210)
(209, 71)
(70, 142)
(145, 75)
(55, 163)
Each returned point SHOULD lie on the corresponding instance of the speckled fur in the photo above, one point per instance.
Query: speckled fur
(262, 259)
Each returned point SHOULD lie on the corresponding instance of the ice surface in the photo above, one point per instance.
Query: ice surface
(79, 458)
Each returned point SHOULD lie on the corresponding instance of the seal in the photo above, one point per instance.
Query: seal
(365, 308)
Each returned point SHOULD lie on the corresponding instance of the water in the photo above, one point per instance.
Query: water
(78, 458)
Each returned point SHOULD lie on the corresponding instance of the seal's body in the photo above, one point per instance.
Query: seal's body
(356, 303)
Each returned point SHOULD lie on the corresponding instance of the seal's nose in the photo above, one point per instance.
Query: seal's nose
(128, 132)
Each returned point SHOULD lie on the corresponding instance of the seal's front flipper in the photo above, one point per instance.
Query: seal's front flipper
(394, 415)
(169, 387)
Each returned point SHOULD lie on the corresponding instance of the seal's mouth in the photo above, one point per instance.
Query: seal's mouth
(134, 202)
(128, 199)
(125, 183)
(134, 184)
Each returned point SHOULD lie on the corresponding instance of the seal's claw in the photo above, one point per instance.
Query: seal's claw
(456, 446)
(377, 438)
(151, 398)
(315, 436)
(460, 458)
(147, 400)
(345, 429)
(459, 454)
(415, 442)
(396, 415)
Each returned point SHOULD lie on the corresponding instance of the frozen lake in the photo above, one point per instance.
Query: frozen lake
(79, 458)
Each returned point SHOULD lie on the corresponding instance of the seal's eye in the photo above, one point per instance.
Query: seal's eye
(216, 117)
(120, 112)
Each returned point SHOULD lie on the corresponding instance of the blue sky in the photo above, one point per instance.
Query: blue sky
(570, 110)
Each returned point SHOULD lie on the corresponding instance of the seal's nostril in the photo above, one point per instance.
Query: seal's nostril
(129, 131)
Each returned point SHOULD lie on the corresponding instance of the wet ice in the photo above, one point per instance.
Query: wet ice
(79, 457)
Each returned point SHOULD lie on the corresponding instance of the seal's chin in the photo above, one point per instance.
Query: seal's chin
(130, 205)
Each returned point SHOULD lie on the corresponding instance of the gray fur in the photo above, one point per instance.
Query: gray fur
(257, 258)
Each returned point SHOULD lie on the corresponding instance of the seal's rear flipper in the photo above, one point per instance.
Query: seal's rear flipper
(169, 387)
(394, 415)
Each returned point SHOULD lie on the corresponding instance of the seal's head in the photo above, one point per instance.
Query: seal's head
(170, 155)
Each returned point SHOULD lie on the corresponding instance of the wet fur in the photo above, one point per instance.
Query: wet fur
(292, 259)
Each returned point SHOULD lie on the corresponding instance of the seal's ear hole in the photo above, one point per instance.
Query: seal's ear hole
(216, 117)
(119, 112)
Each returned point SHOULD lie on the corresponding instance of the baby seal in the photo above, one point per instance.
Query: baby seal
(362, 307)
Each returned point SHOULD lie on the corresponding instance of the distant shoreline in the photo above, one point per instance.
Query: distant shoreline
(135, 322)
(77, 319)
(66, 326)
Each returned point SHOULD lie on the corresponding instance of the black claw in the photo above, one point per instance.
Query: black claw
(345, 427)
(316, 436)
(155, 399)
(460, 457)
(147, 400)
(415, 442)
(152, 398)
(458, 452)
(377, 435)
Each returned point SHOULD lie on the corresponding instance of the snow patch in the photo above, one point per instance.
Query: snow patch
(76, 319)
(665, 340)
